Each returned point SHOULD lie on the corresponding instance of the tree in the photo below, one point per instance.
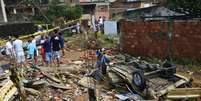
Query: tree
(64, 11)
(191, 8)
(55, 11)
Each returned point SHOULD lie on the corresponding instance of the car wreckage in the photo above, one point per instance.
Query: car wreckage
(153, 81)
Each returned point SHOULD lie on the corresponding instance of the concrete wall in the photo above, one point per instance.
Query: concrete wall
(150, 38)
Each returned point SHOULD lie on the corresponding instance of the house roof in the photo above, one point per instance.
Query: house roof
(155, 11)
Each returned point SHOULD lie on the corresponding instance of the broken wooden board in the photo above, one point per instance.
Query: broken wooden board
(5, 75)
(180, 93)
(40, 82)
(70, 75)
(60, 86)
(87, 82)
(52, 78)
(32, 91)
(7, 91)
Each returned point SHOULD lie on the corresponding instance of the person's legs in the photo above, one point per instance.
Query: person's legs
(35, 59)
(48, 59)
(23, 61)
(63, 52)
(57, 57)
(43, 56)
(62, 49)
(31, 56)
(18, 60)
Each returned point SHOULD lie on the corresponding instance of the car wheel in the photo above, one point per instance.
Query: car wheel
(139, 80)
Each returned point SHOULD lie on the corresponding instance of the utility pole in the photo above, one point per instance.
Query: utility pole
(3, 11)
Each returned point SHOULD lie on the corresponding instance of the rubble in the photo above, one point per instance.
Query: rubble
(74, 79)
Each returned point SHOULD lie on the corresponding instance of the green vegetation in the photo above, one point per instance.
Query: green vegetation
(56, 13)
(188, 7)
(67, 12)
(190, 63)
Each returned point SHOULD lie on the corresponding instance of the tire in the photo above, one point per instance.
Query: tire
(138, 79)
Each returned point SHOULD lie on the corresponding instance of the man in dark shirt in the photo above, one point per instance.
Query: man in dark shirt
(62, 43)
(48, 51)
(56, 47)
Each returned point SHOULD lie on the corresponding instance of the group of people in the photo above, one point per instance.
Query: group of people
(98, 25)
(49, 45)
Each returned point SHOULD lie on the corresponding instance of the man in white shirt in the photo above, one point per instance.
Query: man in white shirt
(10, 50)
(100, 23)
(18, 48)
(93, 20)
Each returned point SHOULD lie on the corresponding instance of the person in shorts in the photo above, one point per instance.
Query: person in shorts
(42, 50)
(31, 51)
(19, 52)
(48, 51)
(56, 47)
(9, 50)
(62, 43)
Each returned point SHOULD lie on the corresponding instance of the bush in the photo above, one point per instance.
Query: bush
(56, 12)
(63, 11)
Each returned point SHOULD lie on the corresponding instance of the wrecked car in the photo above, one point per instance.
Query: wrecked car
(151, 81)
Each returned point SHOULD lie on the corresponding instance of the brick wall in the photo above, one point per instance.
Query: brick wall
(151, 39)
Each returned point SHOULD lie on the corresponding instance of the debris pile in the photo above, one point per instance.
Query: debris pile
(128, 78)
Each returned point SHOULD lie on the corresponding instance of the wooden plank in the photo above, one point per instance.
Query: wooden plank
(7, 91)
(6, 88)
(10, 94)
(32, 91)
(52, 78)
(59, 86)
(180, 96)
(179, 93)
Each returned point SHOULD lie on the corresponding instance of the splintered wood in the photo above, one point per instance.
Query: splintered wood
(180, 93)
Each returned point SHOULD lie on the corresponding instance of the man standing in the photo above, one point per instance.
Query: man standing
(18, 48)
(93, 21)
(10, 50)
(48, 51)
(100, 23)
(31, 51)
(34, 42)
(62, 43)
(56, 47)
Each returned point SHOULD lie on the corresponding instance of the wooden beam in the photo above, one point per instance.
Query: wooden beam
(179, 93)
